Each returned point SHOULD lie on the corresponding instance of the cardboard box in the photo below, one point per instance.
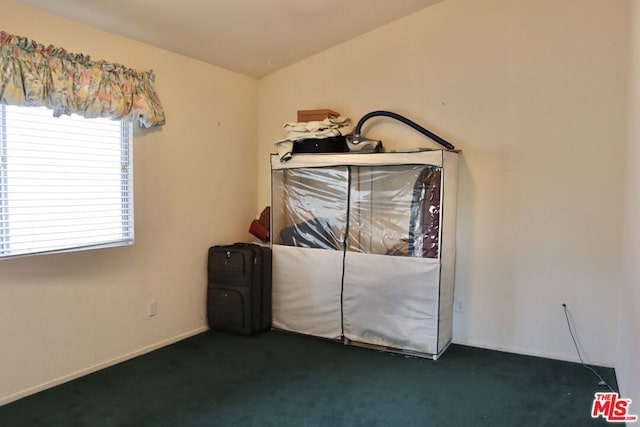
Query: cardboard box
(315, 115)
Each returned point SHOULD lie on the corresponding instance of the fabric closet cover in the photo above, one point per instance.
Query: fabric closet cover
(356, 248)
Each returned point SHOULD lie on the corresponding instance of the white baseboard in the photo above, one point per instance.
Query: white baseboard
(528, 352)
(66, 378)
(99, 366)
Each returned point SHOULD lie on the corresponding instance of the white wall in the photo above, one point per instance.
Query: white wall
(533, 92)
(64, 315)
(627, 367)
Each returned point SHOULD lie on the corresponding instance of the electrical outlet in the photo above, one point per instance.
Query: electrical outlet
(151, 308)
(458, 306)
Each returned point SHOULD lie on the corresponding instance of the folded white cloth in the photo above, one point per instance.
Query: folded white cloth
(318, 129)
(327, 133)
(337, 126)
(314, 126)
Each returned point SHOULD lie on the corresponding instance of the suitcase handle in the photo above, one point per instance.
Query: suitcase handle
(406, 121)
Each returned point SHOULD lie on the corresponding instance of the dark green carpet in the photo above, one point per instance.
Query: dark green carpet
(281, 379)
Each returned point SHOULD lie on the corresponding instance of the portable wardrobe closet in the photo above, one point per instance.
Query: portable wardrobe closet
(352, 259)
(386, 301)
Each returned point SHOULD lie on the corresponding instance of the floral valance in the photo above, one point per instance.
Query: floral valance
(34, 75)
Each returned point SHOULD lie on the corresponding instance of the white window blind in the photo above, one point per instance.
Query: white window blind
(65, 183)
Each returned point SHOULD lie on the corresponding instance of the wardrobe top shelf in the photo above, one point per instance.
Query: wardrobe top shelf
(431, 157)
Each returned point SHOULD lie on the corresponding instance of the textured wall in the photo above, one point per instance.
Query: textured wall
(64, 315)
(627, 367)
(534, 93)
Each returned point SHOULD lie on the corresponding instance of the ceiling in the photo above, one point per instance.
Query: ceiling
(252, 37)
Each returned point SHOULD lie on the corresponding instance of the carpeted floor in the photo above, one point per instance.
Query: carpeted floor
(282, 379)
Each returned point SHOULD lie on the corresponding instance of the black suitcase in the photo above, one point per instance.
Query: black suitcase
(332, 144)
(239, 288)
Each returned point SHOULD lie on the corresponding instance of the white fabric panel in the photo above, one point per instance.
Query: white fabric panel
(306, 290)
(392, 301)
(448, 216)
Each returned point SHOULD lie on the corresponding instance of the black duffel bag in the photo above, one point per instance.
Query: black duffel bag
(333, 144)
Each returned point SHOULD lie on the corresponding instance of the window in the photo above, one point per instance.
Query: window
(65, 183)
